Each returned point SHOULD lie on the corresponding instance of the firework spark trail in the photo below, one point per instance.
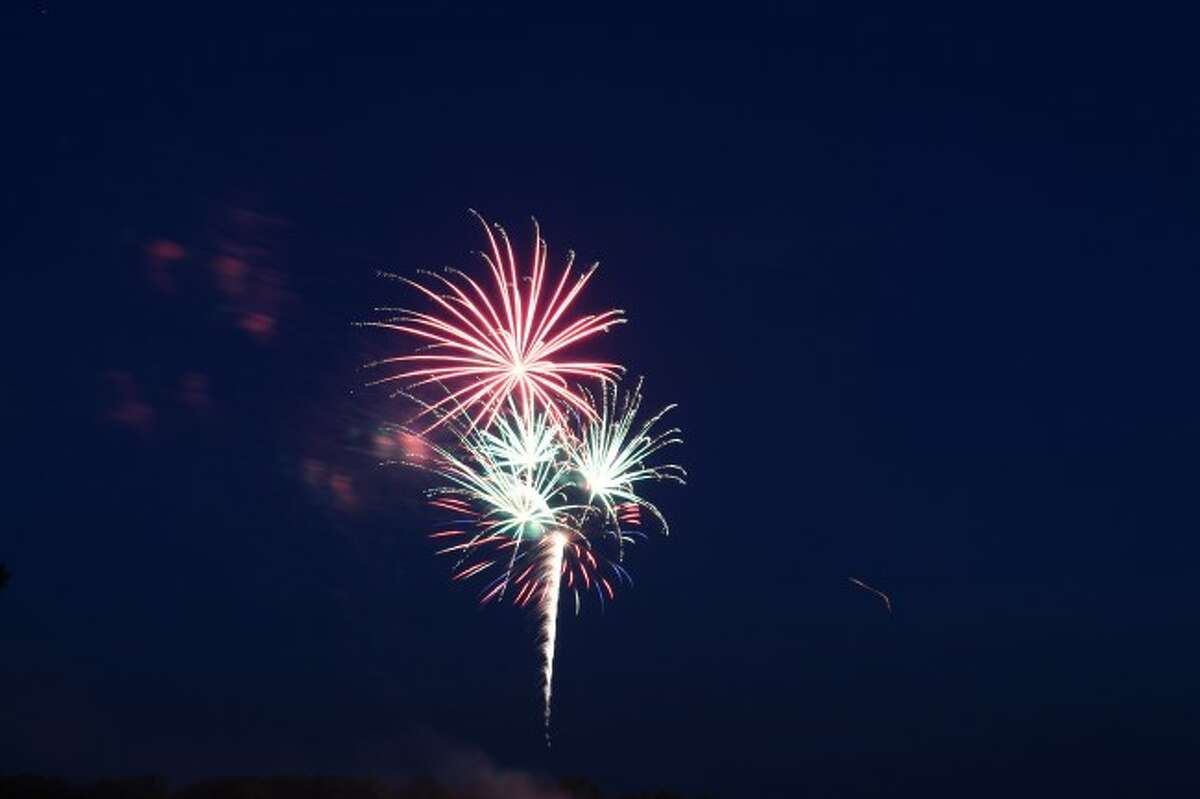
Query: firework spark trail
(887, 601)
(552, 575)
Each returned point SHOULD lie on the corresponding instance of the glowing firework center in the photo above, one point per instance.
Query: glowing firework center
(529, 515)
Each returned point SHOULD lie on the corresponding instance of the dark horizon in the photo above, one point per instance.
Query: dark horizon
(923, 285)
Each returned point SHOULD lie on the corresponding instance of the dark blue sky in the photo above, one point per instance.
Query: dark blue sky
(923, 284)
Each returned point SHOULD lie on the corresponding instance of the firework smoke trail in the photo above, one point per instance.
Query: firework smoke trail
(552, 576)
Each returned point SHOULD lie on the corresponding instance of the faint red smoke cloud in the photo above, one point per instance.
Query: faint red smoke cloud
(124, 405)
(160, 255)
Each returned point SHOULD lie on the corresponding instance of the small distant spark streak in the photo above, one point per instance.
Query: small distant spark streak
(886, 599)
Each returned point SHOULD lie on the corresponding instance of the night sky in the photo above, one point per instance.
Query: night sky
(924, 286)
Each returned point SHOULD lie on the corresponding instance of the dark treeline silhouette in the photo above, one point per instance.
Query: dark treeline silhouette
(35, 787)
(3, 576)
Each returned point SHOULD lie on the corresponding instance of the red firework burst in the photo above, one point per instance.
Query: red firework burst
(490, 349)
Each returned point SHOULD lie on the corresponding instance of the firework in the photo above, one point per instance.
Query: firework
(538, 472)
(523, 494)
(610, 455)
(504, 500)
(510, 343)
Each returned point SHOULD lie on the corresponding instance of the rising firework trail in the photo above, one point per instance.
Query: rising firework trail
(553, 569)
(538, 474)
